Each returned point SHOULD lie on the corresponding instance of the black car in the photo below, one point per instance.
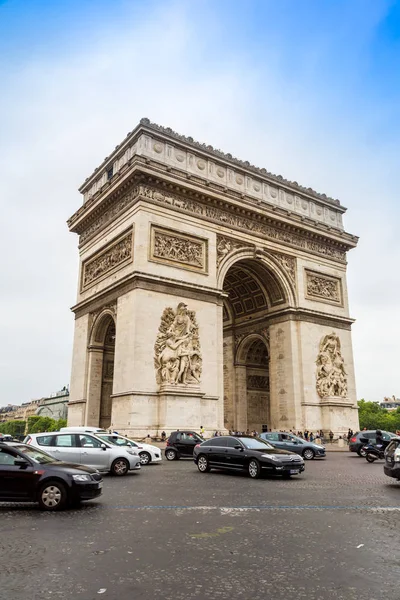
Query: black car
(180, 444)
(392, 459)
(246, 453)
(28, 474)
(356, 444)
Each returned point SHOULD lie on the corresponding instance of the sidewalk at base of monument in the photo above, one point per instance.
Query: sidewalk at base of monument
(328, 447)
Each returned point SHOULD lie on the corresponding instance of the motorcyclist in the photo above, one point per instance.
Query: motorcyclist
(380, 441)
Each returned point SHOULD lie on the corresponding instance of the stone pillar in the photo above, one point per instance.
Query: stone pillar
(241, 398)
(95, 369)
(285, 377)
(78, 387)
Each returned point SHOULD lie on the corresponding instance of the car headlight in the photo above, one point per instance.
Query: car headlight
(132, 452)
(81, 478)
(271, 456)
(397, 458)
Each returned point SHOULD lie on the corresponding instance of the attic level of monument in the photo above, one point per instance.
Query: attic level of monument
(210, 292)
(196, 169)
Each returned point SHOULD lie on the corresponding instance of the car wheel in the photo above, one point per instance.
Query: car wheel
(145, 458)
(202, 464)
(370, 458)
(120, 467)
(171, 455)
(52, 496)
(254, 469)
(308, 454)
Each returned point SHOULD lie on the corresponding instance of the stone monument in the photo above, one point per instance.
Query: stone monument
(211, 292)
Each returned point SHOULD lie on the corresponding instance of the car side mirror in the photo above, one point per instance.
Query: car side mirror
(21, 462)
(294, 441)
(103, 447)
(238, 447)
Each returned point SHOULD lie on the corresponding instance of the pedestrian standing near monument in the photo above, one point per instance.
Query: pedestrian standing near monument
(331, 436)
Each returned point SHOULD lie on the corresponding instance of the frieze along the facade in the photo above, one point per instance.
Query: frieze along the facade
(248, 224)
(177, 249)
(114, 256)
(323, 288)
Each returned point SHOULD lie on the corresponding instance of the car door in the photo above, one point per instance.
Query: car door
(218, 453)
(235, 457)
(66, 448)
(289, 443)
(92, 452)
(16, 481)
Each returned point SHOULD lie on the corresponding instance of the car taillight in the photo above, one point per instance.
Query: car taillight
(167, 442)
(197, 445)
(353, 439)
(29, 441)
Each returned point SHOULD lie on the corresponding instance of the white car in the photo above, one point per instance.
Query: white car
(148, 453)
(81, 447)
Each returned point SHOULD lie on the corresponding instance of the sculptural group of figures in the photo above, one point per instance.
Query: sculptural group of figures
(331, 374)
(177, 348)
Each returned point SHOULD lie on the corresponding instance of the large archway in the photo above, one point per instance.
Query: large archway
(101, 371)
(254, 293)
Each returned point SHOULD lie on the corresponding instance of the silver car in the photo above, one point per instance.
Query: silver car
(86, 449)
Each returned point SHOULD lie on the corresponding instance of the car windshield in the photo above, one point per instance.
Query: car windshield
(255, 443)
(38, 456)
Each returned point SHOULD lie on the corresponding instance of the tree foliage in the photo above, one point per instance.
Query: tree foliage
(372, 416)
(13, 427)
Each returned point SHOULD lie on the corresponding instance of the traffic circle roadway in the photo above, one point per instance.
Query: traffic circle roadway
(171, 532)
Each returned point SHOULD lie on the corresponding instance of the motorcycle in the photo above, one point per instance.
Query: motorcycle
(373, 453)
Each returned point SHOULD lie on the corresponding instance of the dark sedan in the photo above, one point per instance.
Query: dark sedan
(288, 441)
(28, 474)
(246, 453)
(359, 439)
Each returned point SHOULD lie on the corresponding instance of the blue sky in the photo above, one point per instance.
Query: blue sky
(306, 88)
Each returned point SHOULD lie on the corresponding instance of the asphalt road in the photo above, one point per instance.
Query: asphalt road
(171, 532)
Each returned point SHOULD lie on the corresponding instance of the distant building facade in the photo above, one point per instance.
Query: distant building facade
(390, 403)
(54, 406)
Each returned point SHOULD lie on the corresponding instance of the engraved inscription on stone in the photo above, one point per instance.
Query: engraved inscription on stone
(323, 287)
(257, 382)
(112, 257)
(181, 250)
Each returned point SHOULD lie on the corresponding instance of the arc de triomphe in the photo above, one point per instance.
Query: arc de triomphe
(211, 293)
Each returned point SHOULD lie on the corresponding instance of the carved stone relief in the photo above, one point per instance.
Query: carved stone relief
(258, 382)
(323, 287)
(177, 351)
(188, 252)
(288, 263)
(225, 245)
(247, 224)
(108, 215)
(114, 255)
(331, 374)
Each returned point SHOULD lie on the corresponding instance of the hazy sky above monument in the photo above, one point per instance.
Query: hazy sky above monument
(310, 90)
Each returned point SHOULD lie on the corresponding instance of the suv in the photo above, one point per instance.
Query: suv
(392, 459)
(356, 445)
(180, 444)
(86, 449)
(287, 441)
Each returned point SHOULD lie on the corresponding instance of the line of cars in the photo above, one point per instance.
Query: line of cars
(60, 469)
(361, 440)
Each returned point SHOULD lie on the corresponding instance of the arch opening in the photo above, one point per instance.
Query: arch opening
(253, 292)
(101, 372)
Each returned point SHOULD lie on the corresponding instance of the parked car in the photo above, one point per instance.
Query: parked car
(392, 459)
(356, 445)
(86, 449)
(180, 444)
(28, 474)
(288, 441)
(147, 453)
(246, 453)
